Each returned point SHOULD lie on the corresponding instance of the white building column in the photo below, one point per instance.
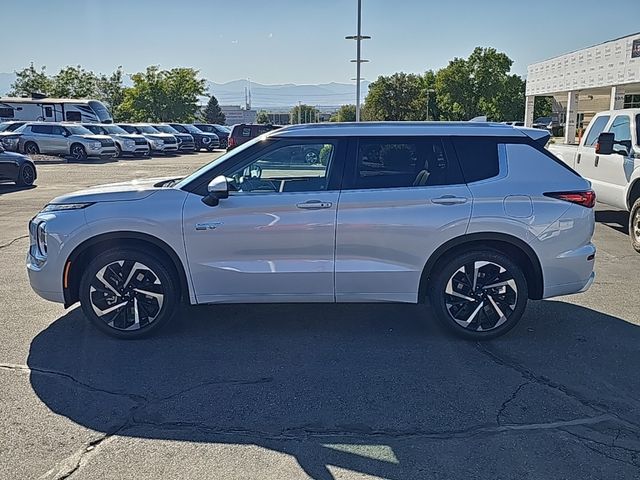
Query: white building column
(572, 118)
(529, 104)
(617, 98)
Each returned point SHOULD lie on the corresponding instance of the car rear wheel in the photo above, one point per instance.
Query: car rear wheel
(31, 148)
(128, 293)
(78, 152)
(634, 225)
(26, 175)
(479, 295)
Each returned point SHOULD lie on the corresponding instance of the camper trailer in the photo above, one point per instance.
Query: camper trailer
(53, 110)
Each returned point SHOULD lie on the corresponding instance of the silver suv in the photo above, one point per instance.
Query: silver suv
(476, 218)
(159, 142)
(126, 143)
(64, 139)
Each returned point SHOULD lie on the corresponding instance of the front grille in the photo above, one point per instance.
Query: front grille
(170, 141)
(107, 143)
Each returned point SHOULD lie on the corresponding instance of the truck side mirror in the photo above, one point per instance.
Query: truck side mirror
(605, 143)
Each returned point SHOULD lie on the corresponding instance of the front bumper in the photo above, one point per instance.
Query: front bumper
(102, 152)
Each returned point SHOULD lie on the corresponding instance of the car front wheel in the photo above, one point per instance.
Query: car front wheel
(479, 295)
(128, 293)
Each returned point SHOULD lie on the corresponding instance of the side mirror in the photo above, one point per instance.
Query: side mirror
(218, 189)
(605, 143)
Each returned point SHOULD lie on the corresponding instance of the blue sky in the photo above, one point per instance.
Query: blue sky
(299, 41)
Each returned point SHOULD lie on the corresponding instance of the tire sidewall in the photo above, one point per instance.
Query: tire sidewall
(164, 273)
(445, 270)
(20, 181)
(635, 242)
(83, 155)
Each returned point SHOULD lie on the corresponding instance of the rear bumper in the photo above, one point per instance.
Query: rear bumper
(574, 269)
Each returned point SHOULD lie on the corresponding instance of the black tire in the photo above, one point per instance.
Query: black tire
(26, 175)
(31, 148)
(147, 290)
(78, 152)
(487, 312)
(118, 152)
(634, 225)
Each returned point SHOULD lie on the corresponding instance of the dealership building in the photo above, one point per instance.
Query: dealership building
(585, 82)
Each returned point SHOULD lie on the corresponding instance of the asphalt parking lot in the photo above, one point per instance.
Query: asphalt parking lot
(297, 391)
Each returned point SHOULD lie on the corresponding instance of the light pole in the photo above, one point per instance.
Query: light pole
(429, 91)
(358, 38)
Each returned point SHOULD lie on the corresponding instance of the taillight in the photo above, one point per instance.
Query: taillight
(586, 198)
(232, 142)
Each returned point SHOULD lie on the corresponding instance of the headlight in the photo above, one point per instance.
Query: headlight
(59, 207)
(41, 239)
(95, 145)
(129, 143)
(157, 143)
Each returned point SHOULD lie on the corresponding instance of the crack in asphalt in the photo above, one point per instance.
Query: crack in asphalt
(13, 241)
(590, 442)
(547, 382)
(513, 396)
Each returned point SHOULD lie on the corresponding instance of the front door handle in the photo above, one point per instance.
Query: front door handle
(597, 161)
(449, 200)
(314, 205)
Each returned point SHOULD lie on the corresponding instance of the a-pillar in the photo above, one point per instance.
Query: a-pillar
(529, 105)
(617, 98)
(572, 118)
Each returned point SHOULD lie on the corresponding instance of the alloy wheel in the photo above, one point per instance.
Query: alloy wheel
(32, 149)
(635, 225)
(27, 175)
(481, 296)
(126, 295)
(77, 152)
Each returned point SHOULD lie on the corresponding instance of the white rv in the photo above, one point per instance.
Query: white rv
(53, 110)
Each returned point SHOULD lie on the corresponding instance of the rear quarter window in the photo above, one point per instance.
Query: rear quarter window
(478, 157)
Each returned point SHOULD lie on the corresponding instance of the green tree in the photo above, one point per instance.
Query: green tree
(213, 113)
(110, 91)
(163, 95)
(400, 96)
(305, 114)
(346, 113)
(30, 80)
(74, 82)
(543, 107)
(263, 117)
(480, 85)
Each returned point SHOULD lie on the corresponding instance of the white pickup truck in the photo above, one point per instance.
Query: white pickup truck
(609, 156)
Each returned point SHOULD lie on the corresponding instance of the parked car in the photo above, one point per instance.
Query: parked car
(478, 218)
(550, 124)
(210, 141)
(158, 142)
(186, 143)
(514, 124)
(126, 143)
(243, 132)
(10, 126)
(609, 156)
(220, 130)
(17, 168)
(64, 139)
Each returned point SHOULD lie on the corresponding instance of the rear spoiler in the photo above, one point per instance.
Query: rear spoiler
(541, 137)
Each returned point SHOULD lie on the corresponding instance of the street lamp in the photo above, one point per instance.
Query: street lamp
(358, 61)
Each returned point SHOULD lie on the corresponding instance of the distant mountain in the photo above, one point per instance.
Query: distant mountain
(276, 96)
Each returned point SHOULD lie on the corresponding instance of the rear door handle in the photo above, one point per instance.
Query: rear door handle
(314, 205)
(449, 200)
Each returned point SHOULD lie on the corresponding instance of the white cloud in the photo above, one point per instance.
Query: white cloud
(270, 35)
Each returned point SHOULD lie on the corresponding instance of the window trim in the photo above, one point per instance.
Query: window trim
(614, 119)
(351, 173)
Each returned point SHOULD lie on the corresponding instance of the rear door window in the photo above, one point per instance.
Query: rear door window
(478, 157)
(595, 129)
(396, 162)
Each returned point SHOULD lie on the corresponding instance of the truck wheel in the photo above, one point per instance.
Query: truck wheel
(634, 225)
(128, 293)
(478, 295)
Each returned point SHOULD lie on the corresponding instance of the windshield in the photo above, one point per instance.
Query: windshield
(101, 111)
(78, 130)
(543, 120)
(205, 168)
(222, 128)
(4, 126)
(97, 129)
(166, 129)
(192, 129)
(114, 129)
(147, 129)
